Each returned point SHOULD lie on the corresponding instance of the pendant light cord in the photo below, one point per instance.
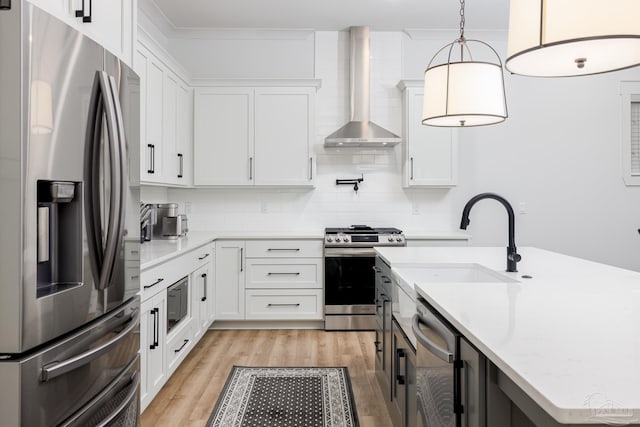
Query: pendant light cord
(461, 40)
(462, 19)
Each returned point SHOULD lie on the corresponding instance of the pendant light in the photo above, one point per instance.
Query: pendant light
(463, 91)
(573, 37)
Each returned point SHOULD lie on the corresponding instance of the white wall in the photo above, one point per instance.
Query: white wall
(558, 153)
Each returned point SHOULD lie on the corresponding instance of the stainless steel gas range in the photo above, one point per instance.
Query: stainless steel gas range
(349, 280)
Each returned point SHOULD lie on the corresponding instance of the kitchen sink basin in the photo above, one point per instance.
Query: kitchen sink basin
(455, 273)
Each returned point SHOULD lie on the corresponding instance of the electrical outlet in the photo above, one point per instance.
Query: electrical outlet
(415, 208)
(187, 207)
(264, 206)
(522, 208)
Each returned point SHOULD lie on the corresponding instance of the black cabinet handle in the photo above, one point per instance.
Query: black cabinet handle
(155, 313)
(153, 284)
(400, 355)
(411, 177)
(181, 165)
(200, 258)
(82, 13)
(377, 343)
(283, 305)
(204, 286)
(152, 158)
(283, 274)
(181, 347)
(283, 249)
(241, 259)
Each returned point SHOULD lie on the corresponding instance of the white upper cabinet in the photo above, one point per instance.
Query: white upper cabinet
(108, 22)
(284, 130)
(250, 136)
(184, 134)
(430, 153)
(166, 114)
(223, 136)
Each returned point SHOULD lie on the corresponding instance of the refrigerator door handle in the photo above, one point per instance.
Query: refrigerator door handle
(103, 258)
(120, 180)
(57, 369)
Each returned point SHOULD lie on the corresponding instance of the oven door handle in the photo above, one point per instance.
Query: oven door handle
(349, 252)
(440, 353)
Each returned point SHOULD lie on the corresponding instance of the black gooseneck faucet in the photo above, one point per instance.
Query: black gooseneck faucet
(512, 255)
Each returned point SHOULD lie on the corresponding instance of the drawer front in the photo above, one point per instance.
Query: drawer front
(284, 248)
(277, 304)
(200, 256)
(157, 279)
(178, 346)
(284, 273)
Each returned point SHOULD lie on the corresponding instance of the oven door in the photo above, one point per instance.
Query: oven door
(437, 388)
(349, 281)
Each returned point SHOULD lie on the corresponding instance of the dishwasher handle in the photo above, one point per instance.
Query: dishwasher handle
(440, 353)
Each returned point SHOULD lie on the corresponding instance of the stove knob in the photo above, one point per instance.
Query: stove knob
(398, 239)
(337, 239)
(329, 239)
(346, 240)
(391, 239)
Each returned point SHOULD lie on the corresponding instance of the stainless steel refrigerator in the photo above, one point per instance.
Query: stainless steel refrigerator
(69, 315)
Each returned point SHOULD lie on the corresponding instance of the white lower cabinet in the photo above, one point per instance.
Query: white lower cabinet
(203, 299)
(179, 344)
(162, 351)
(229, 295)
(266, 279)
(284, 304)
(152, 347)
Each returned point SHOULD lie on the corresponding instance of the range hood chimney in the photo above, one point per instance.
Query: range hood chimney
(360, 132)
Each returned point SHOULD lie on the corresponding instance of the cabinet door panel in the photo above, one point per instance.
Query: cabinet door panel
(284, 129)
(155, 87)
(229, 276)
(431, 152)
(141, 63)
(223, 136)
(184, 141)
(171, 163)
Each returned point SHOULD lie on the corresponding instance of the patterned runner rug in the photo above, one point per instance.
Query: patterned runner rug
(279, 397)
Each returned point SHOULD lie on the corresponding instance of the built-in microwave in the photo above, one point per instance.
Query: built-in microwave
(177, 302)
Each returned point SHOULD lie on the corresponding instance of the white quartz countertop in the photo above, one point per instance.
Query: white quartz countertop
(157, 251)
(569, 336)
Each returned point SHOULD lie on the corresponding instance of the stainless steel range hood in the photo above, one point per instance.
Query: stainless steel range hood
(360, 132)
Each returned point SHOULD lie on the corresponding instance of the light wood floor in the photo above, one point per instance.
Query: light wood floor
(190, 394)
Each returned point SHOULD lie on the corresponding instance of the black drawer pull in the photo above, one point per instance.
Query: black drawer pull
(283, 274)
(153, 284)
(181, 347)
(284, 305)
(200, 258)
(284, 249)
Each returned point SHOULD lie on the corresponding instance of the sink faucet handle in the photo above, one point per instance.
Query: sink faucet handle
(516, 257)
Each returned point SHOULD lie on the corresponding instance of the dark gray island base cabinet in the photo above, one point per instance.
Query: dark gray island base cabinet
(508, 406)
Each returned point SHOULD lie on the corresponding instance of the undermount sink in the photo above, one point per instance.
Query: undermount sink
(457, 273)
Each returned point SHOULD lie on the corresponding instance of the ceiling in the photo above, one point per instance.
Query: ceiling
(323, 15)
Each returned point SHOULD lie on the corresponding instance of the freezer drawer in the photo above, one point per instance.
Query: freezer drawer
(62, 379)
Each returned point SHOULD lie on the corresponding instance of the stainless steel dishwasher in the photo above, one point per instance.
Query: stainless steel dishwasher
(450, 373)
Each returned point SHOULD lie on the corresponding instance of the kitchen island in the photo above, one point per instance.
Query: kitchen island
(562, 333)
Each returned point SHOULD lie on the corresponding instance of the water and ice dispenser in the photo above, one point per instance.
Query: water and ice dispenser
(59, 239)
